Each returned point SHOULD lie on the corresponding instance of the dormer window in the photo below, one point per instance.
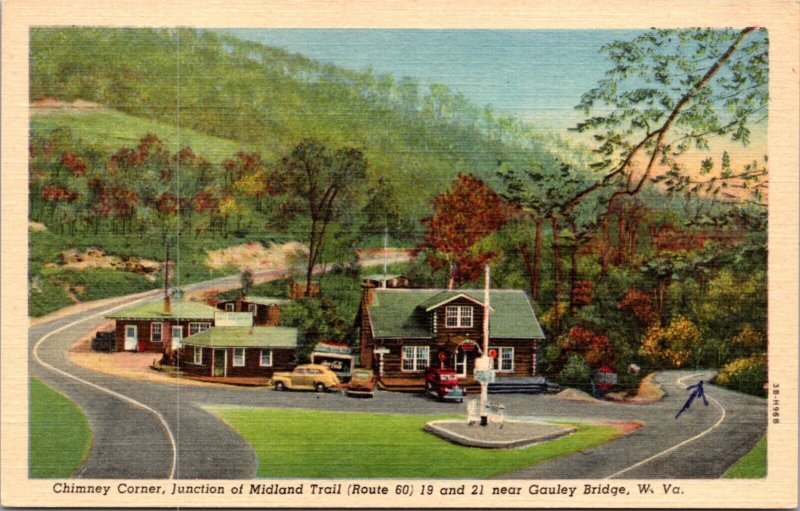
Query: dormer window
(459, 316)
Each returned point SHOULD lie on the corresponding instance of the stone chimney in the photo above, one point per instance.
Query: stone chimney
(369, 293)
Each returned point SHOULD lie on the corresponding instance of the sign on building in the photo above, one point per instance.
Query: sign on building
(222, 318)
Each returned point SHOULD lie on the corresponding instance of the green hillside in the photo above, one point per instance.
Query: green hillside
(109, 128)
(269, 99)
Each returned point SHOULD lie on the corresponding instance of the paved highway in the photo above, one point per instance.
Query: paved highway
(154, 430)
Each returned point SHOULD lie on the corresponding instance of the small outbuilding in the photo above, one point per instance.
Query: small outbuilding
(232, 351)
(266, 310)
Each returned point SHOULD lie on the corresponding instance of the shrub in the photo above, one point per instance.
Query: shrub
(746, 375)
(671, 346)
(576, 373)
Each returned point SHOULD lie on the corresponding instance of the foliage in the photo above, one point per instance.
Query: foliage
(60, 436)
(671, 90)
(671, 347)
(593, 347)
(468, 211)
(270, 99)
(733, 300)
(746, 375)
(317, 320)
(576, 373)
(641, 305)
(320, 435)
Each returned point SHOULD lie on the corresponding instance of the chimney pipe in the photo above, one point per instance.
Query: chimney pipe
(369, 293)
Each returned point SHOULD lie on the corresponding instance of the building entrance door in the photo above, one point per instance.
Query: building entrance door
(220, 362)
(131, 337)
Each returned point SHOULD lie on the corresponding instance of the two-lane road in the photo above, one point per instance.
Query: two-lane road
(153, 430)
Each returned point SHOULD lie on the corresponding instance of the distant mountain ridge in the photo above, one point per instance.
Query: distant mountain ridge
(269, 99)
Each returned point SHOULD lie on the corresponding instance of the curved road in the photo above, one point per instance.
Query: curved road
(154, 430)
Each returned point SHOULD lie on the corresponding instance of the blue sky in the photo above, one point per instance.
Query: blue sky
(538, 75)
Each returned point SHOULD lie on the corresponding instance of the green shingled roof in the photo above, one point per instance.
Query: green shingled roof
(155, 310)
(245, 337)
(401, 312)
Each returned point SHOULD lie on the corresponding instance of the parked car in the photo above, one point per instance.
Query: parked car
(443, 384)
(362, 383)
(306, 377)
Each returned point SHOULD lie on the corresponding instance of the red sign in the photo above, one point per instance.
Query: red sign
(492, 353)
(442, 356)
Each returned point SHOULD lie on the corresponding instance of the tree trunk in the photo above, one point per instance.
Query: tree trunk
(556, 277)
(573, 268)
(452, 278)
(606, 243)
(537, 260)
(620, 239)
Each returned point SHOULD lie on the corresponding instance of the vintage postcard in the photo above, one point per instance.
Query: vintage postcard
(293, 254)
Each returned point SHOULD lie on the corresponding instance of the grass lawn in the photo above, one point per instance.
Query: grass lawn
(111, 128)
(60, 436)
(751, 465)
(318, 444)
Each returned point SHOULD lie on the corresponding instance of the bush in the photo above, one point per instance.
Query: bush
(746, 375)
(576, 373)
(671, 347)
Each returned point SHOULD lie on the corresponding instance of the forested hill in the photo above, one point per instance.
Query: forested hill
(270, 99)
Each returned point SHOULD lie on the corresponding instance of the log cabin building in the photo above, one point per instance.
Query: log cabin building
(403, 331)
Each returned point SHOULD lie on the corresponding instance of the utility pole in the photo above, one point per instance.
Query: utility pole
(167, 297)
(483, 364)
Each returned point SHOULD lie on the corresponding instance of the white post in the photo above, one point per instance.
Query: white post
(485, 360)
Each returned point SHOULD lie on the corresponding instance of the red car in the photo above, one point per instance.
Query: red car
(443, 384)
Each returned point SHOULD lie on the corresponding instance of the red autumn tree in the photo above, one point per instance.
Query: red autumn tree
(468, 211)
(594, 347)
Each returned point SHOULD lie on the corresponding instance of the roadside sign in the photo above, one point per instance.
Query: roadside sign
(381, 351)
(492, 353)
(442, 356)
(485, 376)
(605, 378)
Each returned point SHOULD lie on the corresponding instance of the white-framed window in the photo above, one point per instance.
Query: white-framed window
(265, 359)
(238, 357)
(458, 316)
(177, 336)
(252, 308)
(196, 328)
(198, 355)
(229, 307)
(156, 332)
(504, 362)
(415, 358)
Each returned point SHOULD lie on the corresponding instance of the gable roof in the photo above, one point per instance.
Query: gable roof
(244, 337)
(401, 313)
(447, 297)
(154, 309)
